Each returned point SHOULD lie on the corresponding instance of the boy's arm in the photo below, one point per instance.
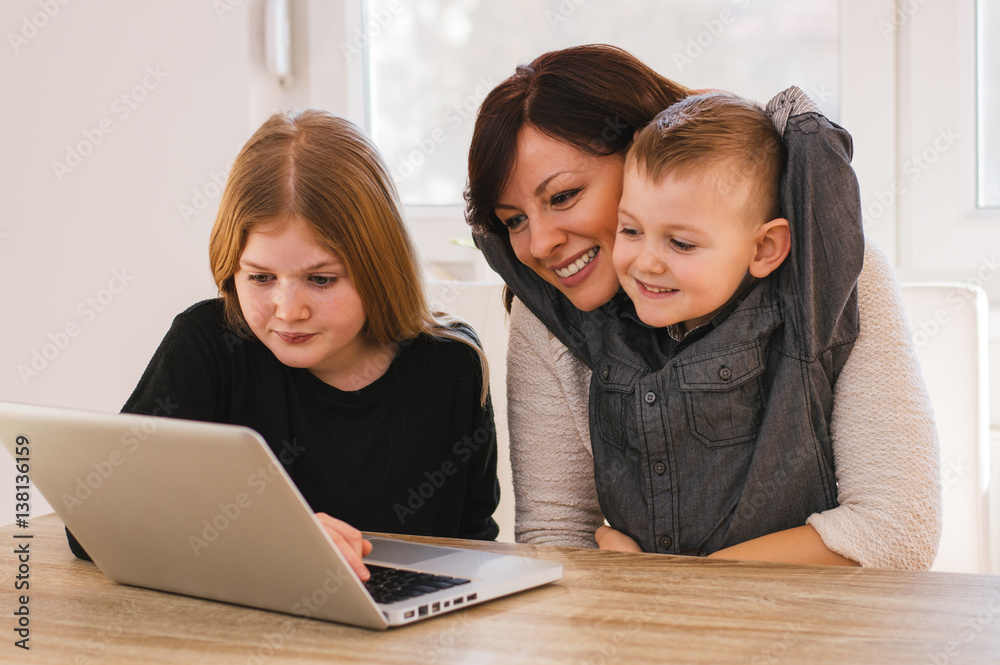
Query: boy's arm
(801, 544)
(821, 199)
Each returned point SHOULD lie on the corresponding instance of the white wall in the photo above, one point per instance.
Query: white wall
(156, 99)
(96, 258)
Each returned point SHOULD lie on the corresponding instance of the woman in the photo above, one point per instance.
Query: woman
(359, 395)
(545, 172)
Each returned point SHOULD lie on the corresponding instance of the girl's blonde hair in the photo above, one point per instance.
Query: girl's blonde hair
(322, 169)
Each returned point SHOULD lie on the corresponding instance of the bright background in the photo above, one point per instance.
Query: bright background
(145, 104)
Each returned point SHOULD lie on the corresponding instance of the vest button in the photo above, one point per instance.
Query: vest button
(725, 373)
(650, 397)
(606, 372)
(660, 468)
(666, 542)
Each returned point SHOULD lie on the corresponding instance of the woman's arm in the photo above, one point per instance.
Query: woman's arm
(799, 545)
(885, 444)
(548, 415)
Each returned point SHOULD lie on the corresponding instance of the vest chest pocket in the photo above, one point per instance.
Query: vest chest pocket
(611, 400)
(724, 394)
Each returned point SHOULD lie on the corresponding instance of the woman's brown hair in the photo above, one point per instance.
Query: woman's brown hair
(322, 169)
(593, 97)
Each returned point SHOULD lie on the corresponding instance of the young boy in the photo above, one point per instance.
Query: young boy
(711, 391)
(761, 316)
(699, 219)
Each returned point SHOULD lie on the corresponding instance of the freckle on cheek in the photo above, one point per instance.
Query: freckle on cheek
(252, 311)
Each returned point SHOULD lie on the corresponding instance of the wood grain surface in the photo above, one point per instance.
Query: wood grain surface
(609, 608)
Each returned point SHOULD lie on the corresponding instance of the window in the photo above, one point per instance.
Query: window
(422, 116)
(988, 99)
(949, 221)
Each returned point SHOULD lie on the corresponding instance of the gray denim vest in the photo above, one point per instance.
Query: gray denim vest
(724, 436)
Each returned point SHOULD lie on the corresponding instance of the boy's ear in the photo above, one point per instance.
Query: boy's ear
(773, 242)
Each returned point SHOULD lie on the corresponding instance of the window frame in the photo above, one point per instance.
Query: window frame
(869, 109)
(943, 231)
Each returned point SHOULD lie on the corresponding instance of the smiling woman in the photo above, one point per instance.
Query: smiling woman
(305, 348)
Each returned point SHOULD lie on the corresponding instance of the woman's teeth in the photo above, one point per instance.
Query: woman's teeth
(577, 265)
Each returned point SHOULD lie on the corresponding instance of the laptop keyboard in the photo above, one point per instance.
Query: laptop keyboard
(388, 585)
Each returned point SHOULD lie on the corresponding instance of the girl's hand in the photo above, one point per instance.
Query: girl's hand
(349, 541)
(611, 539)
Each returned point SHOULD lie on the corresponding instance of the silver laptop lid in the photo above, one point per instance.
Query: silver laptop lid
(194, 508)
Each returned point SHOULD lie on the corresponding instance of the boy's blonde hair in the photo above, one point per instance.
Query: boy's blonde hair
(720, 137)
(322, 169)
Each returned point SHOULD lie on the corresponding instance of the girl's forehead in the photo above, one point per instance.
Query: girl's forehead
(288, 241)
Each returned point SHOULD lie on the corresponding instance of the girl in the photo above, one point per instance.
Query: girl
(323, 342)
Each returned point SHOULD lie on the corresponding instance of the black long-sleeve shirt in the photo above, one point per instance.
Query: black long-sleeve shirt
(414, 452)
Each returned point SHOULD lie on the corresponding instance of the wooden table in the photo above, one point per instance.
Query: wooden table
(609, 608)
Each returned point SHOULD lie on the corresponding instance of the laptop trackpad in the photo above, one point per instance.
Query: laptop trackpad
(403, 553)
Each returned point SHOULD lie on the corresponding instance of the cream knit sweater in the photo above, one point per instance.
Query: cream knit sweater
(884, 439)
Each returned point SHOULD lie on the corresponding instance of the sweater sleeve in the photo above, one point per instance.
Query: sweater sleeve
(885, 442)
(548, 418)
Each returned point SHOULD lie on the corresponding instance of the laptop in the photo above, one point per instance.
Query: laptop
(206, 510)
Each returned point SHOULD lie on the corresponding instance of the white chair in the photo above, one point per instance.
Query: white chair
(481, 304)
(949, 326)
